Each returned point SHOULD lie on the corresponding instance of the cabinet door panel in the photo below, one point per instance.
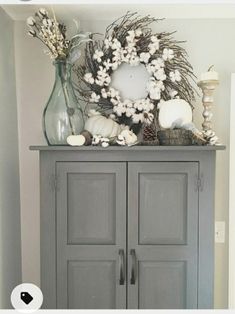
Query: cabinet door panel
(84, 285)
(91, 229)
(91, 218)
(165, 282)
(163, 231)
(167, 192)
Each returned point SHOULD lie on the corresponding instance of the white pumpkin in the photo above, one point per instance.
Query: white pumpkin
(174, 113)
(97, 124)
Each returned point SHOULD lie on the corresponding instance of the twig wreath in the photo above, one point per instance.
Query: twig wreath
(131, 40)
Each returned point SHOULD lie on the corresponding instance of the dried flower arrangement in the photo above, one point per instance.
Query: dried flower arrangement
(53, 35)
(62, 107)
(130, 40)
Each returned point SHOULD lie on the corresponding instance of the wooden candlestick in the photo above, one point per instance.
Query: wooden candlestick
(207, 87)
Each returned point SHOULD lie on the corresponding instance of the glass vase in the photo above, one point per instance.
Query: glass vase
(62, 115)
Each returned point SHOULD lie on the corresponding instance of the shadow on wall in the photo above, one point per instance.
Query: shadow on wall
(10, 239)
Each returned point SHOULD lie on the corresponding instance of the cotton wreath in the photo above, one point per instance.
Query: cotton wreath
(130, 40)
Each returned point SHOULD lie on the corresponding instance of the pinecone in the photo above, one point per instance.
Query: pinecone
(149, 133)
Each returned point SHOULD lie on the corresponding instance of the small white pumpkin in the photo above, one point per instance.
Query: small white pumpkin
(97, 124)
(174, 113)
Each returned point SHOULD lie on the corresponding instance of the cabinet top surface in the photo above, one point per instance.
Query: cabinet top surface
(125, 148)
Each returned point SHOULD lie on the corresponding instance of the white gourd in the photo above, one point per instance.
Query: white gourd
(174, 113)
(97, 124)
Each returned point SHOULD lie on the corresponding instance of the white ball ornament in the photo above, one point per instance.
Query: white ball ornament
(98, 124)
(174, 113)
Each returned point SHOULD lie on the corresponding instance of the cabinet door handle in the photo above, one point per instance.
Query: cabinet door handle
(121, 267)
(133, 266)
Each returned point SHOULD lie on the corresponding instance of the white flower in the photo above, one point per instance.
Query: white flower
(150, 68)
(175, 76)
(160, 85)
(131, 36)
(108, 42)
(104, 93)
(134, 61)
(173, 93)
(148, 117)
(104, 141)
(158, 63)
(154, 39)
(99, 82)
(31, 21)
(120, 140)
(112, 116)
(151, 84)
(114, 66)
(114, 101)
(117, 55)
(148, 105)
(43, 12)
(107, 64)
(126, 137)
(101, 72)
(168, 54)
(113, 92)
(104, 144)
(128, 103)
(154, 90)
(144, 57)
(138, 118)
(160, 74)
(47, 22)
(155, 94)
(129, 137)
(116, 44)
(131, 49)
(94, 97)
(89, 78)
(154, 45)
(103, 77)
(107, 80)
(98, 55)
(32, 33)
(130, 112)
(96, 139)
(138, 32)
(119, 109)
(155, 65)
(139, 104)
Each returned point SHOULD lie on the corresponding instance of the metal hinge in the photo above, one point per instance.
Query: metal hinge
(199, 182)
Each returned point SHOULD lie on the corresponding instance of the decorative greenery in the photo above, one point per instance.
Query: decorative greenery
(131, 40)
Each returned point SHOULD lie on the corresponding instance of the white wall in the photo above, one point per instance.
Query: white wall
(10, 243)
(208, 42)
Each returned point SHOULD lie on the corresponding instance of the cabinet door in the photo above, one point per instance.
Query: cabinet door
(91, 235)
(162, 235)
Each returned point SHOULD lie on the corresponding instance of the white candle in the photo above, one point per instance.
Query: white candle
(210, 76)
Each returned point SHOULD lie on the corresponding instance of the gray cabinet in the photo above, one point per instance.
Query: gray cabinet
(91, 234)
(163, 232)
(127, 227)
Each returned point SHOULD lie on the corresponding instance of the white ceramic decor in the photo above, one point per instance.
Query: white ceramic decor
(174, 113)
(97, 124)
